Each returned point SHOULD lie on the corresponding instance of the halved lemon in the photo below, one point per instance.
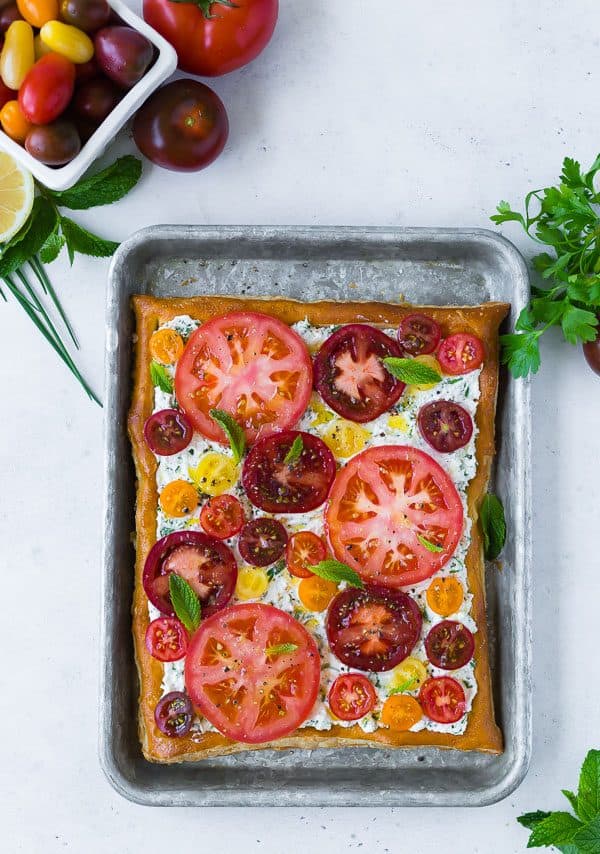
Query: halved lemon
(16, 196)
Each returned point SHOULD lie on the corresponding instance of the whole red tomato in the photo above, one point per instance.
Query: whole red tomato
(214, 37)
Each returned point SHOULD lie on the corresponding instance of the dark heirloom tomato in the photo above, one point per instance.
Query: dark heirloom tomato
(373, 629)
(207, 564)
(304, 550)
(95, 99)
(295, 487)
(222, 517)
(54, 144)
(168, 432)
(123, 54)
(174, 714)
(443, 700)
(350, 376)
(86, 71)
(591, 351)
(86, 15)
(6, 94)
(445, 425)
(47, 89)
(166, 639)
(460, 354)
(449, 645)
(418, 335)
(351, 697)
(262, 541)
(8, 14)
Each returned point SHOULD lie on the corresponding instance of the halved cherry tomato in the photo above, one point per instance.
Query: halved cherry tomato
(178, 498)
(373, 628)
(345, 438)
(166, 639)
(409, 675)
(401, 712)
(222, 517)
(205, 563)
(294, 487)
(174, 714)
(37, 12)
(252, 366)
(350, 376)
(168, 432)
(247, 693)
(166, 346)
(13, 122)
(304, 550)
(443, 700)
(351, 697)
(445, 425)
(252, 583)
(18, 54)
(379, 504)
(460, 354)
(418, 335)
(262, 541)
(316, 593)
(214, 474)
(449, 645)
(67, 41)
(47, 89)
(445, 595)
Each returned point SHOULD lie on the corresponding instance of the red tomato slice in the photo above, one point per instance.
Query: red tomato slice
(418, 335)
(241, 684)
(373, 629)
(351, 697)
(295, 487)
(445, 425)
(449, 645)
(460, 353)
(166, 639)
(443, 699)
(304, 550)
(222, 517)
(168, 432)
(206, 564)
(250, 365)
(381, 502)
(349, 374)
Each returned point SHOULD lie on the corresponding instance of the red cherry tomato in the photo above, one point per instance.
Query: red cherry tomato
(213, 38)
(418, 335)
(168, 432)
(373, 629)
(206, 564)
(239, 682)
(174, 714)
(166, 639)
(262, 541)
(350, 376)
(351, 697)
(460, 354)
(381, 502)
(449, 645)
(304, 550)
(268, 390)
(222, 517)
(294, 487)
(443, 700)
(47, 89)
(445, 425)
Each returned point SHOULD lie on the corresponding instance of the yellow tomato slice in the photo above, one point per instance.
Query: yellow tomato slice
(398, 422)
(401, 712)
(323, 415)
(166, 346)
(430, 362)
(252, 583)
(345, 438)
(215, 473)
(316, 593)
(409, 675)
(445, 595)
(178, 498)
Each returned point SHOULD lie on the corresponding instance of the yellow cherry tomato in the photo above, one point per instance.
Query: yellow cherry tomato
(445, 595)
(37, 12)
(408, 676)
(178, 498)
(398, 422)
(252, 583)
(215, 473)
(323, 415)
(316, 593)
(13, 122)
(40, 48)
(345, 438)
(166, 346)
(17, 55)
(401, 712)
(68, 41)
(429, 362)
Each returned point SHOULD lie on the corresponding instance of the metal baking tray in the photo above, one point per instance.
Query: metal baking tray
(428, 266)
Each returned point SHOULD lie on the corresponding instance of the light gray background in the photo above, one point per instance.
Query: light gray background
(359, 112)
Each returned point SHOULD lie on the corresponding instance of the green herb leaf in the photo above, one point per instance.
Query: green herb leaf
(103, 188)
(185, 602)
(588, 792)
(79, 239)
(406, 686)
(559, 828)
(160, 377)
(572, 799)
(532, 819)
(493, 526)
(233, 431)
(410, 371)
(276, 569)
(294, 453)
(587, 838)
(40, 225)
(427, 544)
(52, 247)
(335, 570)
(281, 649)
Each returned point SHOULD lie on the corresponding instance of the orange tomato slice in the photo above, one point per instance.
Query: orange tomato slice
(178, 498)
(445, 595)
(166, 346)
(401, 712)
(316, 593)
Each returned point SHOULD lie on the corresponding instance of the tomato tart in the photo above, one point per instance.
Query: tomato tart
(309, 566)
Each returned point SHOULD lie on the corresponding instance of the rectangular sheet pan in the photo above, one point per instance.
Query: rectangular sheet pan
(427, 266)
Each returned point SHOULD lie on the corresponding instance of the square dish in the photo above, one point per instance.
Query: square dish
(476, 729)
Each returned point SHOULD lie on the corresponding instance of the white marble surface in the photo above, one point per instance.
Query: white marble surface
(391, 113)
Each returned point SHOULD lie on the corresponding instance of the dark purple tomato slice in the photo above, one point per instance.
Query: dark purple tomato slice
(207, 564)
(349, 374)
(449, 645)
(296, 486)
(174, 714)
(446, 426)
(262, 541)
(166, 639)
(168, 432)
(418, 335)
(373, 629)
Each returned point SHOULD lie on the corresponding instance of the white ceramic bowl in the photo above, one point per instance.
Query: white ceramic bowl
(62, 177)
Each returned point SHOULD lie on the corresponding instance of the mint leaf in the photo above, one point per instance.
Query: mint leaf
(532, 819)
(233, 431)
(79, 239)
(185, 602)
(281, 649)
(588, 792)
(559, 828)
(572, 799)
(52, 247)
(427, 544)
(40, 225)
(160, 377)
(335, 570)
(493, 526)
(410, 371)
(103, 188)
(295, 452)
(587, 839)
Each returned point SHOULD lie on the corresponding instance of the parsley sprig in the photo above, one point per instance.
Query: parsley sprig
(564, 218)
